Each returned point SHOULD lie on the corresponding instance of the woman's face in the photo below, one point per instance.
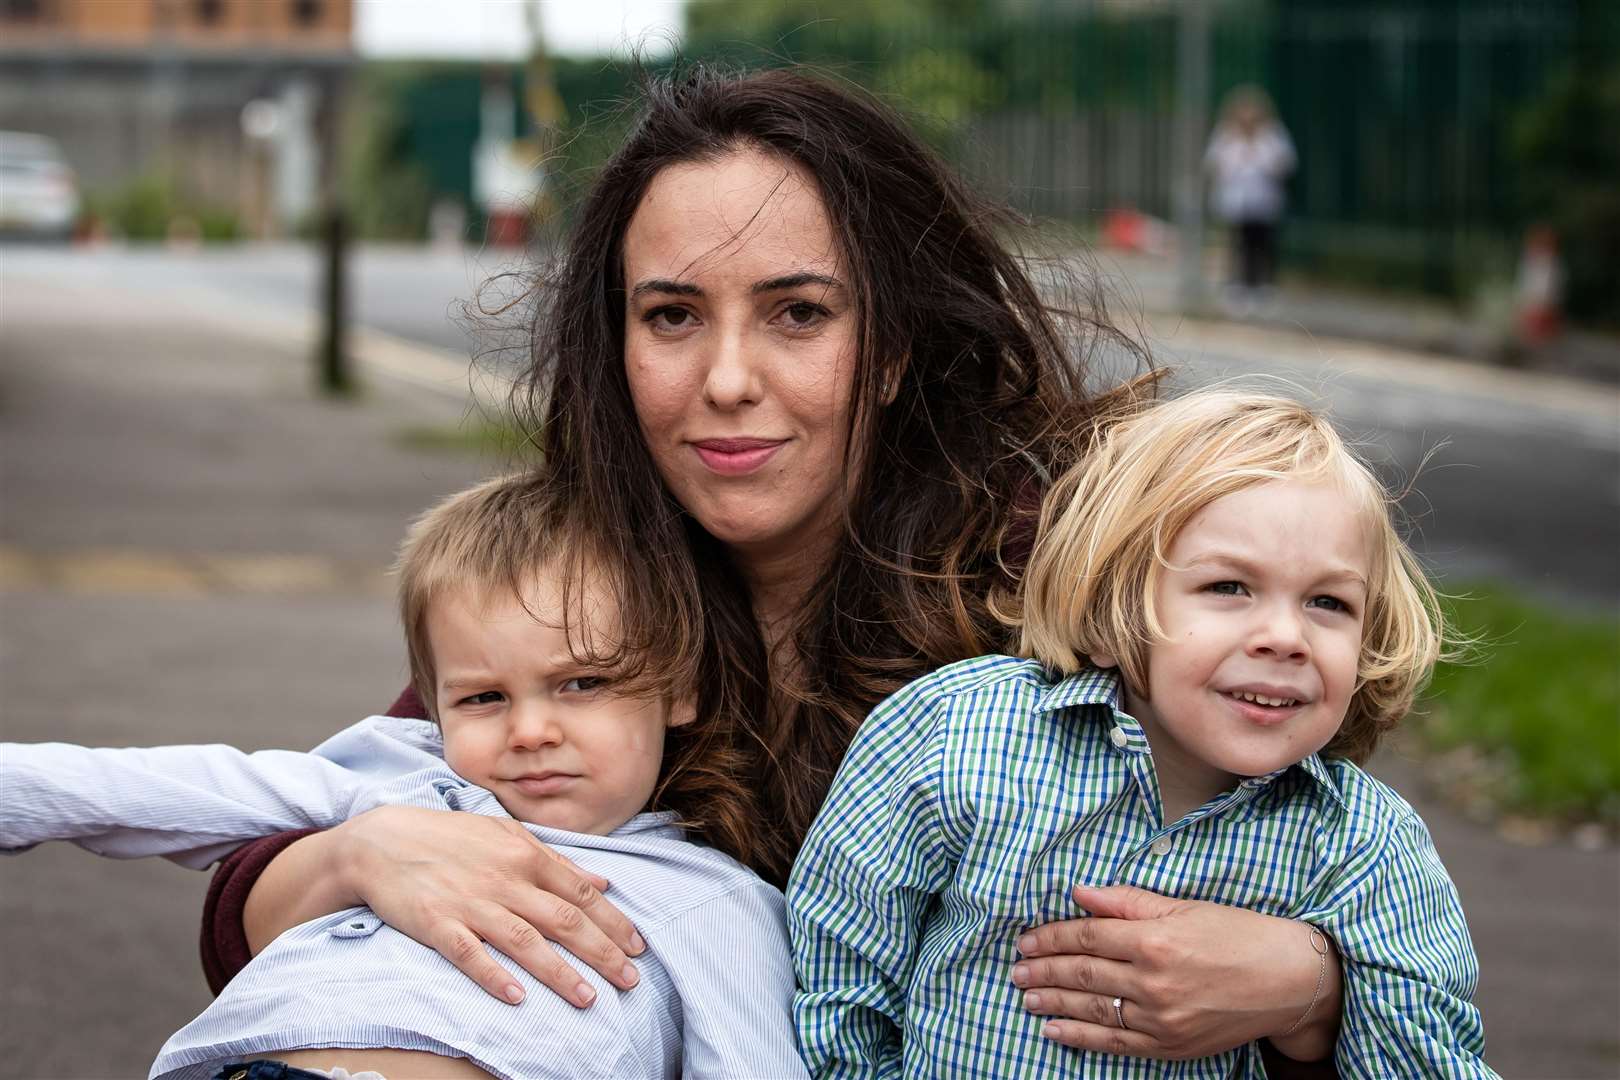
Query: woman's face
(740, 350)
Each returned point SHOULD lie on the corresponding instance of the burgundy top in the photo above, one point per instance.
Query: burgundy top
(224, 941)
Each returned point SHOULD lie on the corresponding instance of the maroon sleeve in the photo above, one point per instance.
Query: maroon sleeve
(1286, 1068)
(224, 939)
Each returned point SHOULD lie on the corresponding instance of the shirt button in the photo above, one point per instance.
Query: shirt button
(1161, 846)
(1118, 737)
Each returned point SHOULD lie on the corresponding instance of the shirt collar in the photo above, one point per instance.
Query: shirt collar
(1088, 686)
(655, 823)
(1319, 771)
(1101, 686)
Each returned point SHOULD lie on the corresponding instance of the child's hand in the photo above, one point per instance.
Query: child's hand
(454, 881)
(1193, 978)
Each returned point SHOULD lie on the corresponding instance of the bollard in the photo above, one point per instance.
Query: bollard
(332, 361)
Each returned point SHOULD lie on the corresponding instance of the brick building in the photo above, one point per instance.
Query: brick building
(158, 88)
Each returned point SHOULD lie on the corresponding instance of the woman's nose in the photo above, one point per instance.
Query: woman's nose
(732, 378)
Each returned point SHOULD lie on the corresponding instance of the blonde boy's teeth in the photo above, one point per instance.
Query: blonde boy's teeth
(1261, 699)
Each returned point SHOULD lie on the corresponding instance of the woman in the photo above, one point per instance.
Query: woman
(791, 372)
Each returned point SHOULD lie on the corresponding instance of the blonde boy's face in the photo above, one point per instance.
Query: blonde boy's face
(1262, 606)
(548, 736)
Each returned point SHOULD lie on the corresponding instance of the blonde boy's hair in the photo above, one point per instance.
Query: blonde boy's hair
(1108, 524)
(492, 538)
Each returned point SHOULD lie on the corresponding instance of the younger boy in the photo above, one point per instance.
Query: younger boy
(1218, 618)
(505, 644)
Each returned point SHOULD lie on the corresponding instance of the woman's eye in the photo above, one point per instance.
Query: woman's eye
(488, 697)
(669, 318)
(1228, 588)
(802, 315)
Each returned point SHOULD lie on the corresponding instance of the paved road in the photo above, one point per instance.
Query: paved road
(191, 546)
(1522, 479)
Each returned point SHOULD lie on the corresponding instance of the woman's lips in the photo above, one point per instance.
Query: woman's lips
(735, 457)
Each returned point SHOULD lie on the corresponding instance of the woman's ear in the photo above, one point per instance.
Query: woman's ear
(682, 712)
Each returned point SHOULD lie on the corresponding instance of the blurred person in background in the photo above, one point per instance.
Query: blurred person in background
(1249, 159)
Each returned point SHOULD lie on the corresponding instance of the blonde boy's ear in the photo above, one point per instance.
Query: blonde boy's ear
(1102, 660)
(682, 712)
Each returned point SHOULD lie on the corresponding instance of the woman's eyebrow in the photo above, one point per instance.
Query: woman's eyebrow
(794, 281)
(666, 286)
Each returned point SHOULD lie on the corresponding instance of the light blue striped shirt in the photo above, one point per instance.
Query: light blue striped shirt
(972, 801)
(715, 996)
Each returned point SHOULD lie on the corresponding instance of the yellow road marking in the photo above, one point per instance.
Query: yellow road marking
(129, 571)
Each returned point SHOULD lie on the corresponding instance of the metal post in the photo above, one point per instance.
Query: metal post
(332, 358)
(333, 361)
(1191, 125)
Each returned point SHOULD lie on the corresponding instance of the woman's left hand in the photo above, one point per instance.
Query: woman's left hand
(1194, 978)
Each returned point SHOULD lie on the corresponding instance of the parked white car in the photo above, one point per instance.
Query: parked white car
(39, 195)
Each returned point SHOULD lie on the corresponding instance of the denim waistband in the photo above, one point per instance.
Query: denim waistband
(265, 1070)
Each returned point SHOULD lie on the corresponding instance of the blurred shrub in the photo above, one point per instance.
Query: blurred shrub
(151, 209)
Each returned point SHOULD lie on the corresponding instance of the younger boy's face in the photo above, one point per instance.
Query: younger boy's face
(545, 734)
(1262, 605)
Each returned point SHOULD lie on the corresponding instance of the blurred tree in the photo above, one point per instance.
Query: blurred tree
(385, 183)
(937, 57)
(1567, 146)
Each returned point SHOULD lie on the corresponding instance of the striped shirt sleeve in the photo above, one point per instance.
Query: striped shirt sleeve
(191, 804)
(1409, 966)
(875, 858)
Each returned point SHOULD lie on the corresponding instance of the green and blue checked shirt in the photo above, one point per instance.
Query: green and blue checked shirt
(974, 798)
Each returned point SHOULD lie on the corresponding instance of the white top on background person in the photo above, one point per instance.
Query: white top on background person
(716, 985)
(1249, 158)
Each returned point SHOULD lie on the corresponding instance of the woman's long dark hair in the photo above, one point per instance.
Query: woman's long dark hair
(987, 385)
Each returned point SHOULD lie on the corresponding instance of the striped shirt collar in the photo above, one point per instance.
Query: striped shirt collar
(1101, 686)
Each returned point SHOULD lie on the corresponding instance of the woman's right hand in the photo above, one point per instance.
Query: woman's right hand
(453, 881)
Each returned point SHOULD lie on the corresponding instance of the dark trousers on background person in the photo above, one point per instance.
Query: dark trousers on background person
(1254, 253)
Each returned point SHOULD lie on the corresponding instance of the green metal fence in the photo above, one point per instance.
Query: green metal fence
(1406, 113)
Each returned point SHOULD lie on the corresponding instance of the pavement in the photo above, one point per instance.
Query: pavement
(1483, 335)
(192, 548)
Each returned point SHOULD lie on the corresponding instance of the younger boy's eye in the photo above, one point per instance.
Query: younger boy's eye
(487, 697)
(584, 684)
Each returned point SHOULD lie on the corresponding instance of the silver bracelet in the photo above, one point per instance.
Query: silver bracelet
(1319, 943)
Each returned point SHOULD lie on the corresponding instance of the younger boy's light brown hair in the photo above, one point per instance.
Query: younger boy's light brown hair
(1108, 524)
(493, 538)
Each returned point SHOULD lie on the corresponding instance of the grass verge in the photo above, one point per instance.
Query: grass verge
(1537, 712)
(496, 437)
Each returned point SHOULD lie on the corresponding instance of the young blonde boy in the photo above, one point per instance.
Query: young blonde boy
(1218, 619)
(516, 650)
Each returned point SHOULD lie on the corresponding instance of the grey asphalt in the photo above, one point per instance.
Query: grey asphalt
(191, 547)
